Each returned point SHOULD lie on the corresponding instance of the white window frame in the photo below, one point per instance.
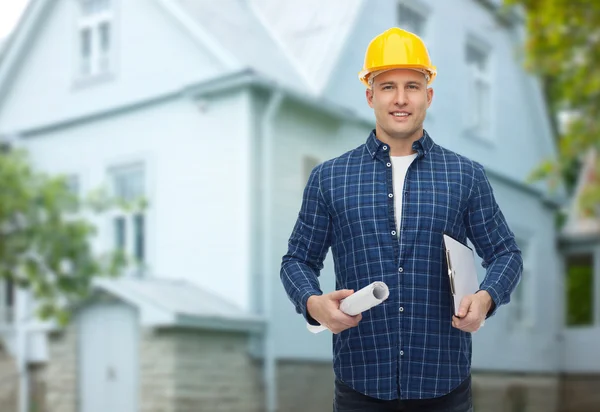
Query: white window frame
(424, 11)
(473, 76)
(93, 22)
(594, 251)
(523, 299)
(7, 312)
(129, 217)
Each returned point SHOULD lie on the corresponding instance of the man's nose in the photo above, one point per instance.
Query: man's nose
(401, 99)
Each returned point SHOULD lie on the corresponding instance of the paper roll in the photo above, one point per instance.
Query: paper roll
(360, 301)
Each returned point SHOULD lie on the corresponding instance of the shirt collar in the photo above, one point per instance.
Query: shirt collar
(422, 146)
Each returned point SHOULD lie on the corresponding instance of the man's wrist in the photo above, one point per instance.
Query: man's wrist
(310, 306)
(487, 299)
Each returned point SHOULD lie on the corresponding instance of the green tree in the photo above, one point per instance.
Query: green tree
(563, 48)
(45, 240)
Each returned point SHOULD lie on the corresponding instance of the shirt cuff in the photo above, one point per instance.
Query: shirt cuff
(495, 298)
(303, 306)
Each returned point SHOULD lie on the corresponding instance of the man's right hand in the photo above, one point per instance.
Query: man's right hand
(325, 309)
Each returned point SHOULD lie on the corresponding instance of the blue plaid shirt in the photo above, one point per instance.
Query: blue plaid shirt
(406, 347)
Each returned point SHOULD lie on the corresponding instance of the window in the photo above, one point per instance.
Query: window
(72, 182)
(129, 226)
(521, 300)
(308, 164)
(95, 37)
(579, 287)
(479, 90)
(7, 300)
(412, 20)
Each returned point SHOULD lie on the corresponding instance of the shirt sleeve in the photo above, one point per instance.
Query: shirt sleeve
(494, 242)
(307, 247)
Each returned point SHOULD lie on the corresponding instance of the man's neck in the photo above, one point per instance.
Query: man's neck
(399, 146)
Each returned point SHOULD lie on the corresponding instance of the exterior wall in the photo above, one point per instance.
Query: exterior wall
(305, 386)
(37, 388)
(9, 382)
(156, 372)
(511, 392)
(154, 55)
(196, 371)
(196, 180)
(61, 371)
(580, 393)
(308, 386)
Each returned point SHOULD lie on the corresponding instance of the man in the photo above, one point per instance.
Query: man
(382, 208)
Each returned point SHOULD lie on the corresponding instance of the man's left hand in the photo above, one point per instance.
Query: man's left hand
(472, 311)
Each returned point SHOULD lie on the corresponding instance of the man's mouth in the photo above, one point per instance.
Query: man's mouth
(400, 114)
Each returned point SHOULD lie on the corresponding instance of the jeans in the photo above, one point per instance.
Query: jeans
(347, 399)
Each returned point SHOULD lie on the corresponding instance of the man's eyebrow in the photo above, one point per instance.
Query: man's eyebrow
(414, 82)
(389, 82)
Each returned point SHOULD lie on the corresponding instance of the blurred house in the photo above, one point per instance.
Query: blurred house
(580, 246)
(216, 112)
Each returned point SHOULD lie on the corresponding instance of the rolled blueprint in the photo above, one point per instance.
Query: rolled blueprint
(360, 301)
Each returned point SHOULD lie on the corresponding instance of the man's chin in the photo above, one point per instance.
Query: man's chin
(402, 134)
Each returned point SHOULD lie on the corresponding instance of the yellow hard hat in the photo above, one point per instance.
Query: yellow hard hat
(396, 49)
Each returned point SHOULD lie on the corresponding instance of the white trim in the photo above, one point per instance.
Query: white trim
(198, 33)
(92, 23)
(596, 285)
(16, 46)
(425, 12)
(146, 163)
(594, 252)
(527, 242)
(284, 49)
(486, 76)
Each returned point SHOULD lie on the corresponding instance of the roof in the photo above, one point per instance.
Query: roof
(167, 302)
(314, 34)
(296, 47)
(578, 224)
(238, 29)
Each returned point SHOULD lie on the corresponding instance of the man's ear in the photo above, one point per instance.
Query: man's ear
(369, 95)
(429, 96)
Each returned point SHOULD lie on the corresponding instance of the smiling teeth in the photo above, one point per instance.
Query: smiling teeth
(400, 114)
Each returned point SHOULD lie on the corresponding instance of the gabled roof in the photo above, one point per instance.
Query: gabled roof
(235, 26)
(294, 46)
(313, 33)
(166, 302)
(577, 223)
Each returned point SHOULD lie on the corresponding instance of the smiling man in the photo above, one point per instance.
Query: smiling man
(382, 208)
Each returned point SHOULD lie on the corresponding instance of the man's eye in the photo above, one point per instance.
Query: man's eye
(387, 87)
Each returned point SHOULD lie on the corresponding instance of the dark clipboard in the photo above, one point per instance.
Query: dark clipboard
(462, 273)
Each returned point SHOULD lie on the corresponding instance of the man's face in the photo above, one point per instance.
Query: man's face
(400, 99)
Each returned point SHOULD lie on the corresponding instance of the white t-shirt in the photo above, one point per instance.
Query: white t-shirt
(400, 166)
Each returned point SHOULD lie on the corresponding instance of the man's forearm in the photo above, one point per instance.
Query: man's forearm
(502, 277)
(300, 283)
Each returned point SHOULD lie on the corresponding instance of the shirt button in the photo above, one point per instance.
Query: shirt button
(400, 270)
(401, 309)
(401, 353)
(391, 195)
(388, 164)
(393, 233)
(384, 147)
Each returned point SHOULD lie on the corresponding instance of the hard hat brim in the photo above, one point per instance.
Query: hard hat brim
(363, 75)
